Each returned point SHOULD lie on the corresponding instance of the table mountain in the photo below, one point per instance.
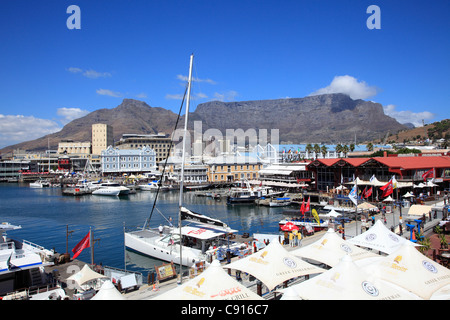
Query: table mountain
(329, 118)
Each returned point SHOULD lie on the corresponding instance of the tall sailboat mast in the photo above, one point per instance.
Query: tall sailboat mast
(182, 162)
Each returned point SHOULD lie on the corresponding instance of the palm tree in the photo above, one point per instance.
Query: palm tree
(316, 149)
(339, 148)
(352, 147)
(324, 150)
(309, 148)
(369, 146)
(345, 149)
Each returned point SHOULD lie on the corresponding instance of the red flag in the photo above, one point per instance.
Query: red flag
(387, 189)
(302, 208)
(363, 194)
(428, 174)
(368, 193)
(307, 205)
(83, 244)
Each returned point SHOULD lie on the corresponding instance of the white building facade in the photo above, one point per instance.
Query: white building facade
(114, 160)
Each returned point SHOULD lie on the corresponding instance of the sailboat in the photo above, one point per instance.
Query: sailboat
(198, 241)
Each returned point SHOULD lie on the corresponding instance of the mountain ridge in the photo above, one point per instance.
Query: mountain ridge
(328, 118)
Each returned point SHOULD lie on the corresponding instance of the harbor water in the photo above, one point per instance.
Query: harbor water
(44, 215)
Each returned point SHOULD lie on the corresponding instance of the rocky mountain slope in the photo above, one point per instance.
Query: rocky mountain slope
(329, 118)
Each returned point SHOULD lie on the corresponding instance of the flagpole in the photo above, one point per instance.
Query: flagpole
(356, 207)
(91, 240)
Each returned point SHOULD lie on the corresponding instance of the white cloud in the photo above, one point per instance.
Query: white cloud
(226, 96)
(95, 74)
(141, 95)
(106, 92)
(350, 86)
(92, 74)
(408, 116)
(196, 96)
(186, 78)
(19, 128)
(69, 114)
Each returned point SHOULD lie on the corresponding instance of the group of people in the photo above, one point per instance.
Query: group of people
(293, 238)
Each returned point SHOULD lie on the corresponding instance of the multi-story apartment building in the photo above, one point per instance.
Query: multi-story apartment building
(114, 160)
(160, 143)
(229, 168)
(102, 137)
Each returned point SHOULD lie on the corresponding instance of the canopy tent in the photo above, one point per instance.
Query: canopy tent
(212, 284)
(420, 185)
(388, 199)
(408, 195)
(367, 206)
(359, 182)
(274, 265)
(380, 238)
(411, 270)
(330, 214)
(419, 210)
(441, 294)
(108, 292)
(84, 275)
(346, 281)
(330, 249)
(376, 183)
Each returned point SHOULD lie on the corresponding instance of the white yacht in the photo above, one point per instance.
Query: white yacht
(21, 262)
(40, 184)
(111, 189)
(202, 240)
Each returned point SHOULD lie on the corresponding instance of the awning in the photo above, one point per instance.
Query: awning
(275, 172)
(419, 210)
(202, 232)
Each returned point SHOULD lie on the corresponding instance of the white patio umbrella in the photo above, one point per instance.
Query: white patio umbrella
(274, 265)
(330, 249)
(108, 292)
(212, 284)
(388, 199)
(411, 270)
(346, 281)
(380, 238)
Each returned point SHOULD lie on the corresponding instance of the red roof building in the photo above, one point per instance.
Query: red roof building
(333, 172)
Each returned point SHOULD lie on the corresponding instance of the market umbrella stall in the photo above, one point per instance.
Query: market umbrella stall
(380, 238)
(274, 265)
(108, 292)
(289, 226)
(85, 275)
(212, 284)
(411, 270)
(330, 249)
(346, 281)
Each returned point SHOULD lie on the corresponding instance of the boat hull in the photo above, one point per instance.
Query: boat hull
(144, 244)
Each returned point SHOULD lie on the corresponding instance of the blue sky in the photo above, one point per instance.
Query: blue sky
(244, 50)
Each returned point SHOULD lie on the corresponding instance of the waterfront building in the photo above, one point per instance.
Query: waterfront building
(230, 168)
(287, 173)
(160, 143)
(330, 173)
(10, 170)
(102, 137)
(69, 147)
(119, 161)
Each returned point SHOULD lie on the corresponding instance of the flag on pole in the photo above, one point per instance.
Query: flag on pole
(428, 174)
(394, 182)
(353, 196)
(388, 188)
(368, 193)
(83, 244)
(302, 208)
(307, 205)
